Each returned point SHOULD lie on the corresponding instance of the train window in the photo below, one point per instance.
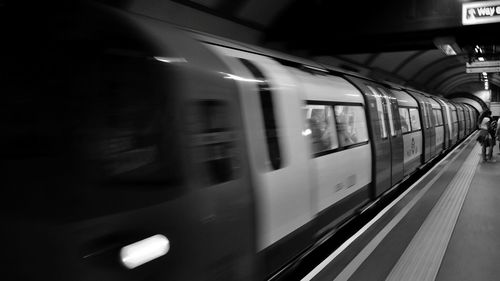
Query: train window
(380, 111)
(415, 119)
(454, 116)
(391, 118)
(426, 115)
(389, 111)
(213, 140)
(439, 117)
(267, 104)
(462, 116)
(405, 119)
(320, 127)
(351, 124)
(114, 121)
(431, 116)
(125, 131)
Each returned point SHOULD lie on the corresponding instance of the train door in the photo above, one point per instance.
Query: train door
(396, 136)
(336, 128)
(447, 123)
(454, 120)
(411, 130)
(432, 125)
(385, 141)
(426, 127)
(443, 118)
(453, 124)
(467, 117)
(474, 117)
(279, 158)
(439, 129)
(462, 120)
(460, 123)
(381, 146)
(472, 113)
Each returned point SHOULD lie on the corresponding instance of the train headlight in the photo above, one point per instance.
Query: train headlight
(141, 252)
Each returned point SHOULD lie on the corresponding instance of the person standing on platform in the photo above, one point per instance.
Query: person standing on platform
(492, 130)
(497, 136)
(485, 137)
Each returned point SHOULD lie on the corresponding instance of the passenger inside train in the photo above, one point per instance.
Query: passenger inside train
(345, 126)
(321, 125)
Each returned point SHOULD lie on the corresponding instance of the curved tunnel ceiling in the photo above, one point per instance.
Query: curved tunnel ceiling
(428, 70)
(395, 40)
(386, 39)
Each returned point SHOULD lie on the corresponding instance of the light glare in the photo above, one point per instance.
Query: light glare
(238, 78)
(143, 251)
(448, 50)
(170, 60)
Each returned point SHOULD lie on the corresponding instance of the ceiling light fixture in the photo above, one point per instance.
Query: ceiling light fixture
(447, 45)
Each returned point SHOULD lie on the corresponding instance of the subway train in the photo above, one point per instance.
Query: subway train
(137, 150)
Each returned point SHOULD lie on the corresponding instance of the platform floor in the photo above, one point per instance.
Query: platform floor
(473, 251)
(445, 227)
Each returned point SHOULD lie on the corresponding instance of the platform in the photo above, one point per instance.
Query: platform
(446, 226)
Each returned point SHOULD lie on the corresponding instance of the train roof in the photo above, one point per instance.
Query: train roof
(404, 99)
(286, 59)
(434, 103)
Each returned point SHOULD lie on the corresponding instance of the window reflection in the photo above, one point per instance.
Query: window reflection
(319, 126)
(415, 119)
(351, 124)
(405, 119)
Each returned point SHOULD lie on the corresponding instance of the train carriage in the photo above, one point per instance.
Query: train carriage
(428, 134)
(386, 136)
(454, 122)
(397, 142)
(125, 160)
(469, 116)
(439, 126)
(463, 119)
(230, 159)
(467, 120)
(448, 122)
(411, 129)
(447, 127)
(320, 120)
(472, 116)
(460, 121)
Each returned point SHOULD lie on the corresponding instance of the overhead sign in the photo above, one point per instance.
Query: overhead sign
(491, 63)
(482, 69)
(482, 66)
(480, 12)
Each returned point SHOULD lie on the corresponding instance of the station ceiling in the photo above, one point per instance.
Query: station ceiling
(390, 39)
